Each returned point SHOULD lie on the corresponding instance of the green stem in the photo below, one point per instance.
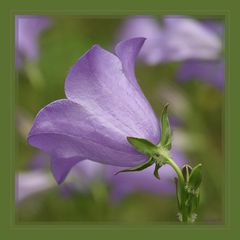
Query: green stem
(176, 169)
(182, 208)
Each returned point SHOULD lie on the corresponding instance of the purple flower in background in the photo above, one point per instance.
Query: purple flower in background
(37, 179)
(179, 38)
(27, 31)
(208, 71)
(32, 182)
(212, 72)
(104, 106)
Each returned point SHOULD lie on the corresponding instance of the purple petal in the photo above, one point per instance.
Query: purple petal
(214, 26)
(97, 82)
(62, 166)
(149, 28)
(188, 38)
(65, 130)
(127, 52)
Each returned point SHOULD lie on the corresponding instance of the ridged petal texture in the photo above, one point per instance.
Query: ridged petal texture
(104, 106)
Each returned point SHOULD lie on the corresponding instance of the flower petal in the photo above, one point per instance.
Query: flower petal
(61, 167)
(187, 38)
(127, 52)
(101, 83)
(66, 130)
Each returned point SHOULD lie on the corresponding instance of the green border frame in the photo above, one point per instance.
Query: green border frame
(98, 8)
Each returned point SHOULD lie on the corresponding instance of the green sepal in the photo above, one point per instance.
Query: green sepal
(166, 140)
(195, 177)
(186, 171)
(157, 166)
(140, 167)
(195, 201)
(177, 193)
(142, 145)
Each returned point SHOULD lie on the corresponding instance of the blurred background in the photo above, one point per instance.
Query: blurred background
(181, 62)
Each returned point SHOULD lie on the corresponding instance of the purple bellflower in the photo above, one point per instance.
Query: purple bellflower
(179, 38)
(212, 71)
(27, 31)
(104, 106)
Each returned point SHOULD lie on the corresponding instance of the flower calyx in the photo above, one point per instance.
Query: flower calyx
(159, 153)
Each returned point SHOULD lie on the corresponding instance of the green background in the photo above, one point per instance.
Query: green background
(8, 122)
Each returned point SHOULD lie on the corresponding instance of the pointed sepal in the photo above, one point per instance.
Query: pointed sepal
(186, 171)
(142, 145)
(195, 177)
(138, 168)
(157, 166)
(166, 139)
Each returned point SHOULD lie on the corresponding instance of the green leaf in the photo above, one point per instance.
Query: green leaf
(140, 167)
(157, 166)
(142, 145)
(166, 130)
(195, 178)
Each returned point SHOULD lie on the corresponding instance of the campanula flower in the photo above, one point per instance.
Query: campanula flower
(104, 106)
(211, 71)
(27, 31)
(178, 38)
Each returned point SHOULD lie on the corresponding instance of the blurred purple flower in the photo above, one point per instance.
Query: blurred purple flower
(105, 105)
(212, 72)
(208, 71)
(179, 38)
(30, 183)
(27, 31)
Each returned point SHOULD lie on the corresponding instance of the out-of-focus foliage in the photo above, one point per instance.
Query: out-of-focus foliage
(196, 106)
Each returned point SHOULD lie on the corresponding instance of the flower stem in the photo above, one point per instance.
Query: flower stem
(184, 201)
(176, 169)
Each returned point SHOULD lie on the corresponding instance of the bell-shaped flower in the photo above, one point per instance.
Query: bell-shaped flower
(104, 106)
